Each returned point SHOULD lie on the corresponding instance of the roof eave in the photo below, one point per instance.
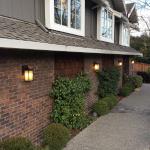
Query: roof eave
(29, 45)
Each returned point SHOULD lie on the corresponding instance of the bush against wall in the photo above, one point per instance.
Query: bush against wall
(101, 108)
(104, 105)
(145, 76)
(131, 83)
(127, 89)
(136, 81)
(69, 104)
(56, 136)
(108, 82)
(17, 143)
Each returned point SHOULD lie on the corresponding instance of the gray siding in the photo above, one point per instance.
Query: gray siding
(29, 10)
(23, 9)
(40, 10)
(90, 20)
(111, 3)
(117, 30)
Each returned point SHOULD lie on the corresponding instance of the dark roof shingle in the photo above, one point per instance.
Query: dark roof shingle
(20, 30)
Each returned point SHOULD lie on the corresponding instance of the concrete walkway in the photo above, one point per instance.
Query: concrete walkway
(127, 127)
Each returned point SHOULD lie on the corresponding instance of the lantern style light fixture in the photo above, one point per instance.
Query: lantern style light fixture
(132, 61)
(96, 67)
(120, 63)
(27, 73)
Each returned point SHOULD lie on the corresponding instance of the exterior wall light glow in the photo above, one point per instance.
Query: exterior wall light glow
(132, 61)
(96, 67)
(27, 73)
(120, 63)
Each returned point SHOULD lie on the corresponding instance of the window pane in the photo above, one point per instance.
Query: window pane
(73, 13)
(61, 12)
(57, 3)
(76, 14)
(78, 9)
(78, 23)
(64, 12)
(125, 35)
(106, 23)
(57, 15)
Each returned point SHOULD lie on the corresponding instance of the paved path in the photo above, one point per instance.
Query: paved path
(127, 127)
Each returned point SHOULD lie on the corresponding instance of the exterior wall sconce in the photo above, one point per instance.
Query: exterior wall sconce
(132, 62)
(120, 63)
(96, 67)
(27, 73)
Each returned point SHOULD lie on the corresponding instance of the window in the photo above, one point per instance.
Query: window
(105, 25)
(66, 16)
(124, 35)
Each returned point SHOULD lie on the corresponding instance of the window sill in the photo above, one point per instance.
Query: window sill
(106, 40)
(65, 29)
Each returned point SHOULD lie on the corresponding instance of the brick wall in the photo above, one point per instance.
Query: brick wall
(89, 60)
(68, 64)
(25, 107)
(71, 64)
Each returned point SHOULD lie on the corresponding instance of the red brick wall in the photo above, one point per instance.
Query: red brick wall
(25, 107)
(68, 64)
(71, 64)
(89, 60)
(107, 61)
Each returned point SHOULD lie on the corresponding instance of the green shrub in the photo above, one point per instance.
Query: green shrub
(136, 81)
(145, 76)
(69, 104)
(56, 136)
(101, 108)
(111, 101)
(148, 70)
(108, 82)
(18, 143)
(127, 89)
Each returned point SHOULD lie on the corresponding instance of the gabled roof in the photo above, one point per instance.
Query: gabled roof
(132, 13)
(23, 31)
(120, 6)
(128, 10)
(129, 6)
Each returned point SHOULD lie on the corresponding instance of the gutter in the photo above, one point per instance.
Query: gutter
(38, 46)
(37, 21)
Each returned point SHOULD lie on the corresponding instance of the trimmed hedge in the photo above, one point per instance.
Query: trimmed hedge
(104, 105)
(145, 76)
(56, 136)
(17, 143)
(108, 82)
(127, 89)
(69, 101)
(111, 101)
(101, 108)
(136, 81)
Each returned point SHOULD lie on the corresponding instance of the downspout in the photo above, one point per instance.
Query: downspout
(37, 21)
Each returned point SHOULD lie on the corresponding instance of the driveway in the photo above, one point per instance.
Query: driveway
(127, 127)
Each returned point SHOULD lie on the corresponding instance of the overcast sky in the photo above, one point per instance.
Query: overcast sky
(142, 11)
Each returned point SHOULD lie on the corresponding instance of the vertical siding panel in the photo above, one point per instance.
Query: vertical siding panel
(40, 10)
(3, 5)
(90, 20)
(16, 7)
(28, 10)
(19, 9)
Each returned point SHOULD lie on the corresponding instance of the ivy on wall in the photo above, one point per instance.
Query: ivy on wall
(69, 101)
(108, 82)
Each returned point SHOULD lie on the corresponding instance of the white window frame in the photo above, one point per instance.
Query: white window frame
(50, 20)
(121, 38)
(99, 36)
